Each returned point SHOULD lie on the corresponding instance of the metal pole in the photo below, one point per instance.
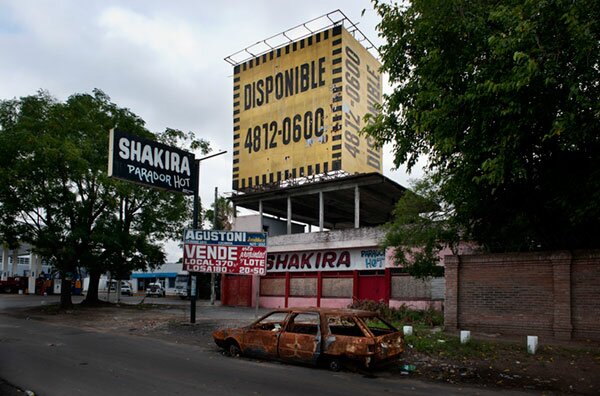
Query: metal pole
(193, 277)
(256, 280)
(216, 216)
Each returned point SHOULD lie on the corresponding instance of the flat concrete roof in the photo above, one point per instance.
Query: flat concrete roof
(378, 196)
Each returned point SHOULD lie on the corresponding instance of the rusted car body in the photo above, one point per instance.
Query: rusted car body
(316, 336)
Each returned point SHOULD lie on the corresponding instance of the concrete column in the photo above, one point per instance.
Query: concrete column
(355, 280)
(289, 215)
(288, 277)
(451, 301)
(561, 267)
(38, 263)
(260, 214)
(4, 262)
(33, 272)
(321, 211)
(15, 262)
(319, 287)
(356, 207)
(388, 285)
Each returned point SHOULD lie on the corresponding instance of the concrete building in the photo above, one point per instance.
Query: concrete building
(338, 259)
(22, 261)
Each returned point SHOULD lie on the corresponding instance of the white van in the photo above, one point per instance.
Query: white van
(155, 290)
(125, 287)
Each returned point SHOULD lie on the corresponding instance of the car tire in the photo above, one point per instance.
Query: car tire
(234, 349)
(334, 364)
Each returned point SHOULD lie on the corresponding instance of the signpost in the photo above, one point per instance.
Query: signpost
(225, 252)
(153, 164)
(193, 280)
(144, 161)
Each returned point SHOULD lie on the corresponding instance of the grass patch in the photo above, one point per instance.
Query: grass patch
(443, 345)
(403, 314)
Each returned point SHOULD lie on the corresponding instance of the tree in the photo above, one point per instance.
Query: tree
(504, 100)
(225, 213)
(422, 226)
(55, 193)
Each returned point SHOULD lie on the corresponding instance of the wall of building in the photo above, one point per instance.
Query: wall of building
(164, 274)
(547, 294)
(336, 239)
(417, 293)
(271, 226)
(339, 290)
(299, 275)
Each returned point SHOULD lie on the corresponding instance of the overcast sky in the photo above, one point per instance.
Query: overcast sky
(162, 59)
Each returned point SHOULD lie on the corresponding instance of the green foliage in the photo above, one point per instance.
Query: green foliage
(55, 192)
(402, 315)
(444, 345)
(504, 100)
(421, 227)
(225, 213)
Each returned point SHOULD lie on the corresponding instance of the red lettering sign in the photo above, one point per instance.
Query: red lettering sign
(327, 260)
(224, 259)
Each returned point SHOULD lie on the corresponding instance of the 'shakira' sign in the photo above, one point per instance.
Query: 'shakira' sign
(225, 252)
(298, 110)
(150, 163)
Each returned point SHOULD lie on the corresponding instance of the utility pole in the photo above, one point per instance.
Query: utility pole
(194, 277)
(215, 227)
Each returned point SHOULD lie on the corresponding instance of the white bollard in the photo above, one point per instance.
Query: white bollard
(465, 336)
(532, 344)
(408, 330)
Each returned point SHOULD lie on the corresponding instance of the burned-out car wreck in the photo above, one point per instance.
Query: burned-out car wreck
(331, 337)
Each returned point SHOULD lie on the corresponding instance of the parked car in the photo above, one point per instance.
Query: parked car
(331, 337)
(14, 284)
(125, 288)
(155, 290)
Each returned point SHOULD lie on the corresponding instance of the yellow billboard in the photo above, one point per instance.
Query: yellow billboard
(298, 110)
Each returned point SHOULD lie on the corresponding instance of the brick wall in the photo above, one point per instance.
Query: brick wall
(553, 294)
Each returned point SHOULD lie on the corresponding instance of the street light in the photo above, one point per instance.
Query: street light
(193, 279)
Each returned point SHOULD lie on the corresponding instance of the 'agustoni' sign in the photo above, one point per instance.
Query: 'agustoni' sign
(151, 163)
(226, 252)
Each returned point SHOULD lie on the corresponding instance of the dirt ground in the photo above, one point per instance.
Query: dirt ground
(572, 368)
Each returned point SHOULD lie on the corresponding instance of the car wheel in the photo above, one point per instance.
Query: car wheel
(233, 349)
(7, 289)
(334, 364)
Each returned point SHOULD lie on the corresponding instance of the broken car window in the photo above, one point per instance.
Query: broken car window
(273, 322)
(304, 323)
(344, 326)
(378, 326)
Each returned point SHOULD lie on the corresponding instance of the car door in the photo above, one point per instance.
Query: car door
(301, 338)
(261, 338)
(346, 338)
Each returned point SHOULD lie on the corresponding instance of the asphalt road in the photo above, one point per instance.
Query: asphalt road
(58, 360)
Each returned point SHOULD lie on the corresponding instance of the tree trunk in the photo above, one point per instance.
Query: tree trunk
(65, 293)
(92, 293)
